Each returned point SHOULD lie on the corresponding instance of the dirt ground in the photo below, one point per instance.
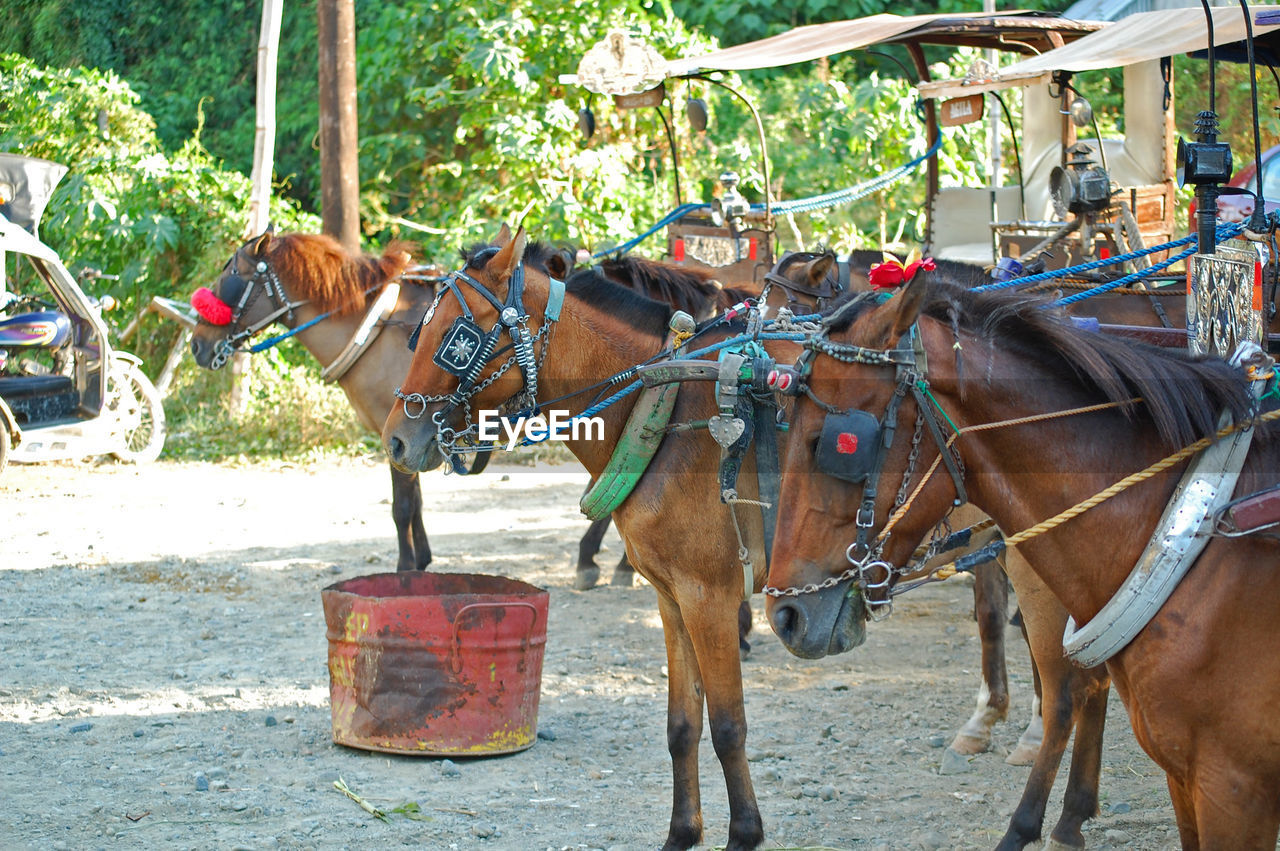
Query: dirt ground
(163, 684)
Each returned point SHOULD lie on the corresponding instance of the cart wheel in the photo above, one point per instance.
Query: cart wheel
(136, 403)
(6, 443)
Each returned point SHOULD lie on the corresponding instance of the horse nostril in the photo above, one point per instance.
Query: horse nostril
(195, 348)
(785, 620)
(395, 448)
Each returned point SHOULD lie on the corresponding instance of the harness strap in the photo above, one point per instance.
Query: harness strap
(369, 329)
(768, 473)
(643, 434)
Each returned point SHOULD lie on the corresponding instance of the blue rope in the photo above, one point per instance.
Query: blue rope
(1127, 279)
(799, 205)
(280, 338)
(1224, 232)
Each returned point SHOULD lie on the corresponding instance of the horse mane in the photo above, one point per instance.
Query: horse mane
(693, 290)
(327, 274)
(1182, 393)
(591, 285)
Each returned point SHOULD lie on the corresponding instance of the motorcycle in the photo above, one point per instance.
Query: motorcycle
(65, 391)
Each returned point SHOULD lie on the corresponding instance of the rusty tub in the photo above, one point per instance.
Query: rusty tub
(435, 664)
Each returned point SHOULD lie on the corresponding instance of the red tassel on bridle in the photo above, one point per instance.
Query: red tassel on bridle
(211, 308)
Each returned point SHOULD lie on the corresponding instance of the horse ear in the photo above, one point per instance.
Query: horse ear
(258, 246)
(504, 263)
(504, 235)
(819, 269)
(896, 316)
(559, 264)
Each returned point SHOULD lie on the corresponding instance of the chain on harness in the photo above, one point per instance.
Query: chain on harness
(467, 349)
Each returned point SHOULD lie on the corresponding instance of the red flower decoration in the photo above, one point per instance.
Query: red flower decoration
(891, 274)
(211, 308)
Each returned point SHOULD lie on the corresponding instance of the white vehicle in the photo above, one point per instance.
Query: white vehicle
(64, 391)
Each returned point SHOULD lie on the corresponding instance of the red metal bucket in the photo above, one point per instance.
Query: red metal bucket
(436, 664)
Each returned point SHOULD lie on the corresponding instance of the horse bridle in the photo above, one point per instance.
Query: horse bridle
(467, 349)
(245, 292)
(841, 453)
(820, 295)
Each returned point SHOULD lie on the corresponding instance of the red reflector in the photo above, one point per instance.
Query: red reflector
(678, 251)
(752, 248)
(771, 380)
(1103, 252)
(846, 443)
(1257, 285)
(784, 381)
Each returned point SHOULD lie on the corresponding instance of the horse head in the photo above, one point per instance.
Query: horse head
(843, 473)
(268, 279)
(459, 364)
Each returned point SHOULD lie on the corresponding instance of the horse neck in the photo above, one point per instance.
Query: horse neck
(326, 339)
(1022, 475)
(588, 345)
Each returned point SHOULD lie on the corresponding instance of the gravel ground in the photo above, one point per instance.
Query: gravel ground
(163, 684)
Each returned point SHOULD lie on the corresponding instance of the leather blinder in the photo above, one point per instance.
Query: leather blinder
(847, 445)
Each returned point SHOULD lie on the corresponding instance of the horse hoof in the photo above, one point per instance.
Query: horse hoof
(623, 579)
(1023, 755)
(1055, 845)
(967, 745)
(586, 578)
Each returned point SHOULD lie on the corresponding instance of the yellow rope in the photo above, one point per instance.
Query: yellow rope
(947, 570)
(1129, 481)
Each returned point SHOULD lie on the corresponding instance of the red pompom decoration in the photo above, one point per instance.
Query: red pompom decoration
(891, 274)
(211, 308)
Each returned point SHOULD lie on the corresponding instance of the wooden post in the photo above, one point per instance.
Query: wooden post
(264, 146)
(339, 132)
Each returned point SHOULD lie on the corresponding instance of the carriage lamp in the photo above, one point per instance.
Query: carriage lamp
(1081, 187)
(1205, 163)
(730, 207)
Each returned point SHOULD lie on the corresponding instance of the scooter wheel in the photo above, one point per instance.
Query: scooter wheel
(138, 402)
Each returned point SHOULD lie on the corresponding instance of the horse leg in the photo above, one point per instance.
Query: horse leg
(624, 575)
(1080, 803)
(421, 549)
(713, 636)
(684, 728)
(991, 604)
(1044, 619)
(588, 572)
(744, 629)
(1234, 807)
(406, 510)
(1184, 813)
(1024, 753)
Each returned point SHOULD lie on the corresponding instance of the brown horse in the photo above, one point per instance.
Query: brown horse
(678, 533)
(1007, 375)
(294, 278)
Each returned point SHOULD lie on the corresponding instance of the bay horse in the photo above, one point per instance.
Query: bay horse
(1046, 415)
(678, 534)
(293, 279)
(1066, 697)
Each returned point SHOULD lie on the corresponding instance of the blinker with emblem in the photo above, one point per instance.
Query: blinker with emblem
(847, 445)
(461, 347)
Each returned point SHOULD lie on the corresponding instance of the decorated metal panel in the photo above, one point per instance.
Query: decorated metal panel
(1224, 298)
(435, 664)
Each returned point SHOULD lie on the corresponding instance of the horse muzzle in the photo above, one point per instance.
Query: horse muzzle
(412, 445)
(822, 623)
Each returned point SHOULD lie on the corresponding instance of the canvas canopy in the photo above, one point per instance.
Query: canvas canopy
(1141, 37)
(1023, 32)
